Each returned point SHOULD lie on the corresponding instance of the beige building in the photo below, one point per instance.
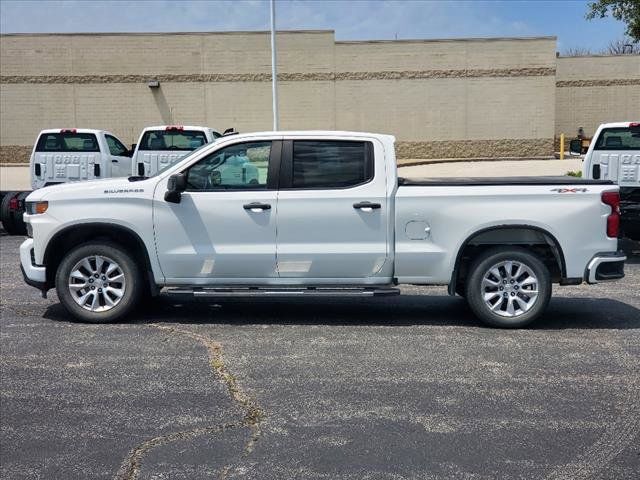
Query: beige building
(440, 98)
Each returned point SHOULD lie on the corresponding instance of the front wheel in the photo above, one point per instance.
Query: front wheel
(99, 282)
(508, 287)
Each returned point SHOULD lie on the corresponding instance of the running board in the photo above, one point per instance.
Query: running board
(283, 291)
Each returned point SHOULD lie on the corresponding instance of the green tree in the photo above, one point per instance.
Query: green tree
(627, 11)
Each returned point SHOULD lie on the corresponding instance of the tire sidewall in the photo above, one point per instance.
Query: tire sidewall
(6, 215)
(129, 267)
(490, 258)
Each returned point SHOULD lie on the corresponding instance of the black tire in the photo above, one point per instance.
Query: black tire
(133, 286)
(18, 219)
(8, 222)
(507, 293)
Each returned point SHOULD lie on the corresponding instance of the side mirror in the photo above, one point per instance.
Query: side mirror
(175, 186)
(575, 147)
(133, 147)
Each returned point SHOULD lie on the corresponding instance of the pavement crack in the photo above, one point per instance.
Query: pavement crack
(131, 465)
(252, 419)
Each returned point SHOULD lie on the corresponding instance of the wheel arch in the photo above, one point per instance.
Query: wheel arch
(522, 235)
(78, 234)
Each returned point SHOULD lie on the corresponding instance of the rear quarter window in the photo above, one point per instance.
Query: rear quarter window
(172, 140)
(622, 138)
(67, 142)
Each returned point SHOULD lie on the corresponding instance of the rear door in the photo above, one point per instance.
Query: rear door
(332, 210)
(65, 156)
(616, 155)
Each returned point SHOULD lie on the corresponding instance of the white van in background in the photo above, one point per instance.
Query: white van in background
(162, 146)
(614, 154)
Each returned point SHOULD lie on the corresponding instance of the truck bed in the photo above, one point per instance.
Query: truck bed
(489, 181)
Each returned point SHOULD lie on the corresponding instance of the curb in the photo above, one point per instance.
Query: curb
(462, 160)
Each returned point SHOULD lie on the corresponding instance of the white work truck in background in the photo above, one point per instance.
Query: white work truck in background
(614, 154)
(66, 155)
(162, 146)
(327, 216)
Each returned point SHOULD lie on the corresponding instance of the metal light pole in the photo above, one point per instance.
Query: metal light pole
(274, 67)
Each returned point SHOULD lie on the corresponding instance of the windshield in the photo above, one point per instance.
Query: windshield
(67, 142)
(160, 140)
(621, 138)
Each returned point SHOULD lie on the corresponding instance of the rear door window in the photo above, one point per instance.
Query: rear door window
(622, 138)
(331, 164)
(172, 140)
(67, 142)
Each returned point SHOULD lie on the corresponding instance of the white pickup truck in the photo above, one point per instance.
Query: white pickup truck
(327, 216)
(66, 155)
(614, 154)
(162, 146)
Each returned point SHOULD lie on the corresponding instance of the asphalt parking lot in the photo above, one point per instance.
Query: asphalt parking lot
(402, 387)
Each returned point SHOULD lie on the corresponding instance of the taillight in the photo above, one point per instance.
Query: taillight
(613, 220)
(68, 130)
(13, 204)
(174, 128)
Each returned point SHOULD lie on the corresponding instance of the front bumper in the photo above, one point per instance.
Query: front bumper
(605, 266)
(34, 275)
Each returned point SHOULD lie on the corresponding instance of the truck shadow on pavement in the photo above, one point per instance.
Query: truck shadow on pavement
(405, 310)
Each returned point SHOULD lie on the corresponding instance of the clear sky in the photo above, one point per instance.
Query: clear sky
(351, 19)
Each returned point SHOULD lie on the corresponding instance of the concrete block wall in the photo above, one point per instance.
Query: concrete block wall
(441, 98)
(594, 90)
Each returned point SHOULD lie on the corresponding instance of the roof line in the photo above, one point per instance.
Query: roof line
(141, 34)
(429, 40)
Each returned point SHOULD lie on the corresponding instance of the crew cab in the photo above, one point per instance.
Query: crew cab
(162, 146)
(66, 155)
(327, 215)
(614, 154)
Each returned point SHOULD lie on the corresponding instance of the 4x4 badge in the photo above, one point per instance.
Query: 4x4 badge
(569, 190)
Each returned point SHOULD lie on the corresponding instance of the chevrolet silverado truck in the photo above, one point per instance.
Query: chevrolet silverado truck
(162, 146)
(614, 154)
(66, 155)
(327, 215)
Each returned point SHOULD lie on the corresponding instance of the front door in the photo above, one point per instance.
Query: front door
(118, 157)
(333, 212)
(224, 228)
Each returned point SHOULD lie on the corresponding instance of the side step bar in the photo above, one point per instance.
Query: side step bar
(283, 291)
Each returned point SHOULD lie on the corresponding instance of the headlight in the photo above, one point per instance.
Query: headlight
(35, 208)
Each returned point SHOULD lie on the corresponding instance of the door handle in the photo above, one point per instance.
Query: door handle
(257, 207)
(366, 206)
(113, 160)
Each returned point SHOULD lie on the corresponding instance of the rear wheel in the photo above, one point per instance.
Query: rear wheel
(6, 215)
(99, 282)
(508, 287)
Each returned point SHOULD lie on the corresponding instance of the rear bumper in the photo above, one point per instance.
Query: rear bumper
(605, 266)
(34, 275)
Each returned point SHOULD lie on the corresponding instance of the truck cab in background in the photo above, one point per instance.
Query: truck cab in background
(62, 155)
(614, 154)
(162, 146)
(75, 154)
